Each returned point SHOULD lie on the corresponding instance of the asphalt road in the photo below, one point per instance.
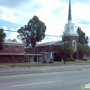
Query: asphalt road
(70, 80)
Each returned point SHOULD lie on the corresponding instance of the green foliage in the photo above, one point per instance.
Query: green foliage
(84, 59)
(9, 40)
(83, 39)
(84, 49)
(14, 40)
(70, 59)
(67, 49)
(33, 32)
(2, 38)
(51, 61)
(45, 61)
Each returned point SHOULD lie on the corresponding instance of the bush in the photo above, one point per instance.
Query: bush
(84, 59)
(70, 59)
(51, 61)
(45, 61)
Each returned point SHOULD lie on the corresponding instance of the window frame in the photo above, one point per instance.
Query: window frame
(6, 46)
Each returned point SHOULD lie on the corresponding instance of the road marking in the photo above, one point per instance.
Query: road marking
(43, 69)
(36, 83)
(84, 69)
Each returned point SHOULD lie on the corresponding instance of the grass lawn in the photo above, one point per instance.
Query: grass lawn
(32, 64)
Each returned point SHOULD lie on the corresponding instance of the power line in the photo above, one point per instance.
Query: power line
(45, 34)
(10, 31)
(53, 35)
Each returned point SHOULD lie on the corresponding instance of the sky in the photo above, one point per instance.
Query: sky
(54, 13)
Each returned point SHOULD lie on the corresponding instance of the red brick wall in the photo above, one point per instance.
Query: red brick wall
(70, 39)
(10, 60)
(41, 49)
(12, 49)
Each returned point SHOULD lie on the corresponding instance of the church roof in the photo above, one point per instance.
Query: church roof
(51, 43)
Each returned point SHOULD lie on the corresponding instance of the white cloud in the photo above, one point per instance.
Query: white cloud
(4, 27)
(11, 35)
(53, 13)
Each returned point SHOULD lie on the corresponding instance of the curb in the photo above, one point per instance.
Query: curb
(36, 71)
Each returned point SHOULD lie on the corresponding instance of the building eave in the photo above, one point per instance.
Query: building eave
(11, 53)
(13, 43)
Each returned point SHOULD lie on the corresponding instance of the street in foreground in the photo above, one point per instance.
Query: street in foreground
(70, 80)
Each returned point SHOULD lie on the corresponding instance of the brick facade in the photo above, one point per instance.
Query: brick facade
(55, 48)
(52, 48)
(13, 52)
(70, 39)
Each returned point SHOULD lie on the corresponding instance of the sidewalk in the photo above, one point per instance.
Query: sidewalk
(45, 69)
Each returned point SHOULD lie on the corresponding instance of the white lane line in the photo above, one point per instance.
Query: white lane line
(43, 69)
(36, 83)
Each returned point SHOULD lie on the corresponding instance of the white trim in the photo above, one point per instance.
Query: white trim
(19, 54)
(11, 53)
(13, 43)
(34, 54)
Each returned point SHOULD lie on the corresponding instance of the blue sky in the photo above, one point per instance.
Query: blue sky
(54, 13)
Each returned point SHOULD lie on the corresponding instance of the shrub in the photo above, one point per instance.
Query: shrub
(51, 61)
(84, 59)
(70, 59)
(45, 61)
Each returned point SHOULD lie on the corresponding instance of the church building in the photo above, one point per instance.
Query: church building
(69, 35)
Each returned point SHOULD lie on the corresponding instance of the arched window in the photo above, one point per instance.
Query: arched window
(74, 44)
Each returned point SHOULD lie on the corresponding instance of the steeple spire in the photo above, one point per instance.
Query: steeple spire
(69, 27)
(69, 12)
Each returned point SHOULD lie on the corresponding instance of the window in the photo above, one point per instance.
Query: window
(45, 49)
(37, 50)
(12, 57)
(5, 57)
(20, 57)
(6, 46)
(74, 44)
(16, 47)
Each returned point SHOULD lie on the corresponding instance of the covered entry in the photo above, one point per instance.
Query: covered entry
(33, 58)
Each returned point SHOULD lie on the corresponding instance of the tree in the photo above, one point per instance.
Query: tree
(66, 49)
(32, 33)
(83, 39)
(9, 40)
(84, 49)
(2, 38)
(14, 40)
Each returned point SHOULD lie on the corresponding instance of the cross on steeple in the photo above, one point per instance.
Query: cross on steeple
(69, 12)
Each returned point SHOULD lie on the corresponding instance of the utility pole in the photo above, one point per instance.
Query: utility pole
(64, 50)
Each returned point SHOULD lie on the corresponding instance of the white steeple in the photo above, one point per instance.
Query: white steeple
(69, 27)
